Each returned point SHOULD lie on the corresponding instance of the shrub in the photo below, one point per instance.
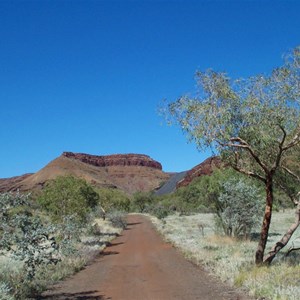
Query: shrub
(238, 208)
(5, 292)
(68, 235)
(67, 195)
(113, 199)
(118, 219)
(160, 211)
(142, 200)
(26, 239)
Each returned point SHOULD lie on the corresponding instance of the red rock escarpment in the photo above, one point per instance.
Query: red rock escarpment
(115, 160)
(205, 168)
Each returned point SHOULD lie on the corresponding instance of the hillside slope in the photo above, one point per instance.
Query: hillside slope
(128, 172)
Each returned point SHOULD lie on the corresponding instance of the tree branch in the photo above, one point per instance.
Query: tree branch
(285, 239)
(295, 141)
(291, 173)
(248, 173)
(281, 149)
(236, 167)
(244, 145)
(291, 250)
(286, 190)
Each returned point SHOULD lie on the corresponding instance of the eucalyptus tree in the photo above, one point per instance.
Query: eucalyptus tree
(253, 124)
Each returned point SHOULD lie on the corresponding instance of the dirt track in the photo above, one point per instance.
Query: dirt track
(138, 265)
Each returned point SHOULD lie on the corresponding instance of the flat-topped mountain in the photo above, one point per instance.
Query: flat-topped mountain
(115, 160)
(127, 172)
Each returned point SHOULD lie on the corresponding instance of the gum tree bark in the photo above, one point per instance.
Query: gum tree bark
(259, 255)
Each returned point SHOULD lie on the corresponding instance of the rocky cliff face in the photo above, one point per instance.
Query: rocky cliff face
(205, 168)
(115, 160)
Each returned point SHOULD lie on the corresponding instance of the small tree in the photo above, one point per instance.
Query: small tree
(142, 200)
(67, 195)
(238, 208)
(113, 199)
(254, 124)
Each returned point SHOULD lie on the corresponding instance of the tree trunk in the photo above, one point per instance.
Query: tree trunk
(285, 239)
(259, 255)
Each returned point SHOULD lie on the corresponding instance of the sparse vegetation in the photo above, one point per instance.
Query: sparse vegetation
(118, 219)
(231, 259)
(36, 253)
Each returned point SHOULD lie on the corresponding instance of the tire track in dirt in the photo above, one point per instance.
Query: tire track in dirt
(139, 265)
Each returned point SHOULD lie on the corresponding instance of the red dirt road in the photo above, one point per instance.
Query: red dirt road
(139, 265)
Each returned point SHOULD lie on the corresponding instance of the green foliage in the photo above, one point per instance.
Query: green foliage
(201, 195)
(257, 110)
(113, 199)
(160, 210)
(238, 208)
(67, 195)
(141, 201)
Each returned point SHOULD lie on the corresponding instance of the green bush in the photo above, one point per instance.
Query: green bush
(160, 211)
(141, 201)
(238, 208)
(113, 199)
(67, 195)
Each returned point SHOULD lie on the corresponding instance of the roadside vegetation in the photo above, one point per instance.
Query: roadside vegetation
(231, 259)
(45, 238)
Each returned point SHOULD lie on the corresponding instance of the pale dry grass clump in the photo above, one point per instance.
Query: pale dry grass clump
(233, 260)
(280, 282)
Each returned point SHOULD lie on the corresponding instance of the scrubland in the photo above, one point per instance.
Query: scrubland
(232, 260)
(90, 243)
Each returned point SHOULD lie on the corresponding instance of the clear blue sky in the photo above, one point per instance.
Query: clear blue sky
(88, 76)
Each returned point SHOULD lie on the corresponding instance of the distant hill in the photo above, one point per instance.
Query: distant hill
(170, 185)
(181, 179)
(205, 168)
(127, 172)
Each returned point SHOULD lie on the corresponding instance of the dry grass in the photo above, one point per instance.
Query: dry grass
(233, 260)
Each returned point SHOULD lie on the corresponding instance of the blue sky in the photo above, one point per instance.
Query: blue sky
(88, 76)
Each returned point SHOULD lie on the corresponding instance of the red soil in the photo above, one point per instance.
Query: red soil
(139, 265)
